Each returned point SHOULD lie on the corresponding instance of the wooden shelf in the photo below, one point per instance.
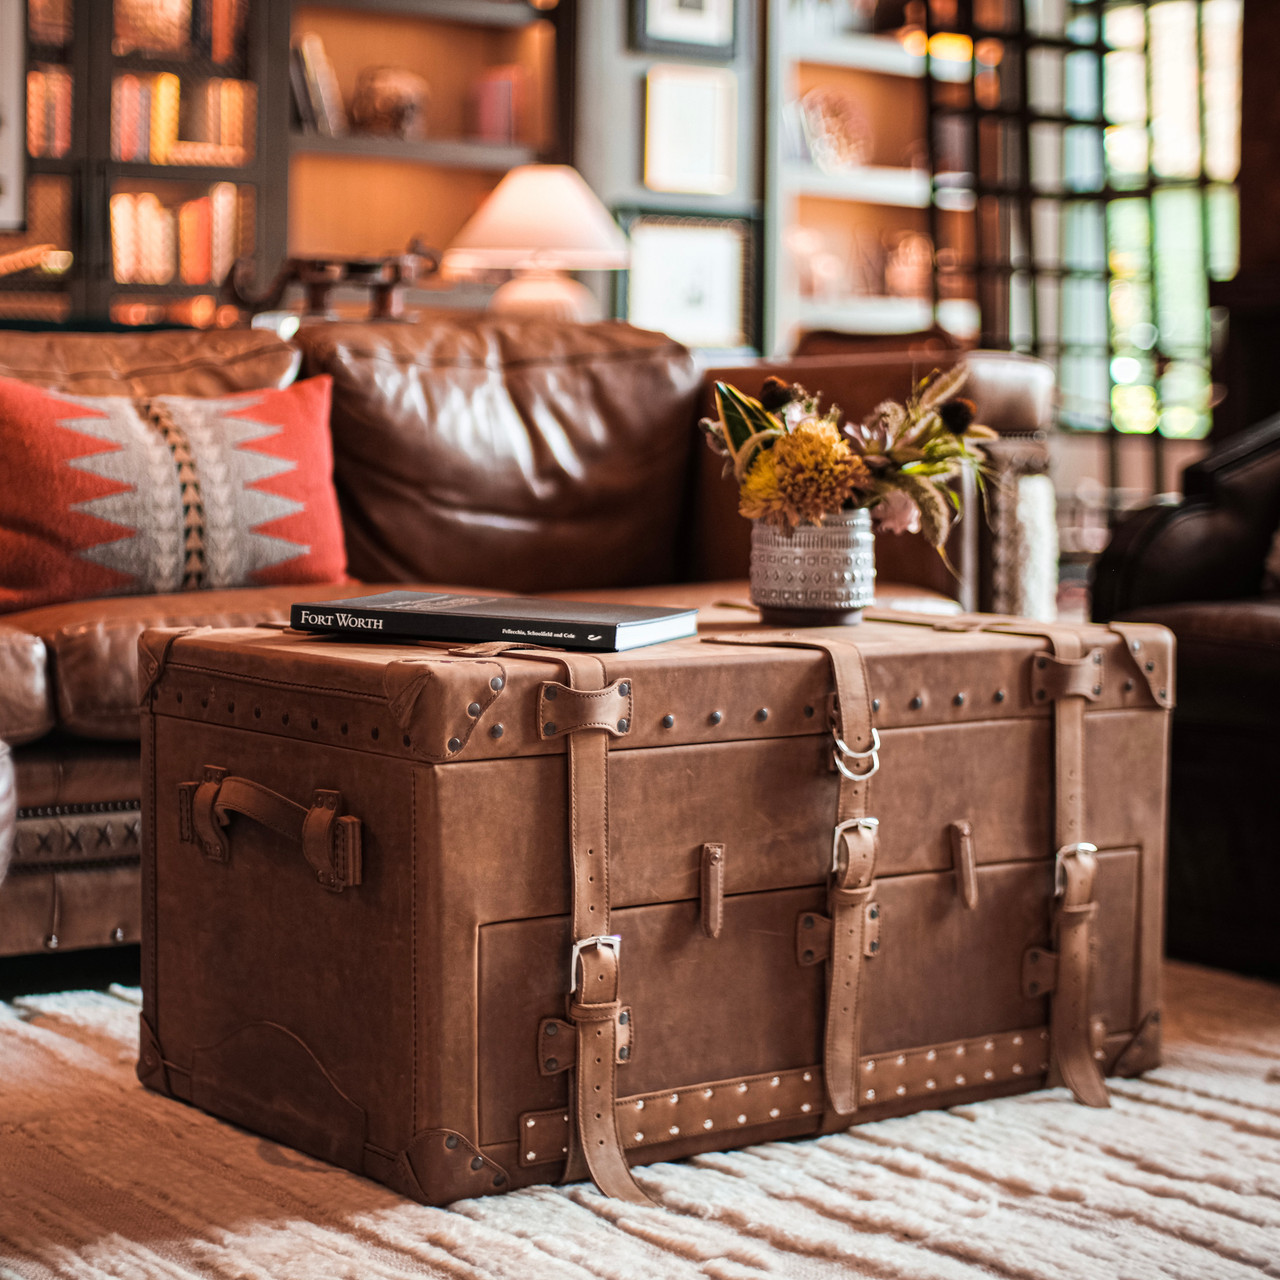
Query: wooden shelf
(888, 315)
(444, 153)
(881, 54)
(867, 184)
(175, 289)
(241, 175)
(478, 13)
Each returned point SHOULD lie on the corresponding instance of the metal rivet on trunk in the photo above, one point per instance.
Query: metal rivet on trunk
(916, 703)
(763, 713)
(51, 942)
(549, 728)
(455, 744)
(875, 946)
(1097, 691)
(474, 710)
(625, 688)
(1128, 686)
(623, 725)
(1097, 658)
(477, 1163)
(117, 934)
(624, 1052)
(1040, 695)
(496, 683)
(874, 912)
(958, 699)
(668, 721)
(551, 1064)
(807, 957)
(1164, 693)
(875, 704)
(808, 711)
(373, 733)
(623, 1018)
(408, 741)
(284, 719)
(1041, 663)
(497, 731)
(715, 717)
(1149, 666)
(999, 695)
(499, 1179)
(451, 1141)
(808, 922)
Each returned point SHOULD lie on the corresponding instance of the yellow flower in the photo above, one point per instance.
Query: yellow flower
(810, 472)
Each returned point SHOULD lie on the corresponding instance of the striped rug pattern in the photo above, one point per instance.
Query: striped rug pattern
(1181, 1178)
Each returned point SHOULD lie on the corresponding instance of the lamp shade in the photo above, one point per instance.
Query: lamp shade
(540, 216)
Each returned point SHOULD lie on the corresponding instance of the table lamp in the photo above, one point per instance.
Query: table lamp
(541, 221)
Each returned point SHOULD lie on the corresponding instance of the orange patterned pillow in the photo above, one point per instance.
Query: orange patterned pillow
(107, 495)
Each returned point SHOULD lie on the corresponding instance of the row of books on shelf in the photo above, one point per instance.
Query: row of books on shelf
(194, 242)
(153, 121)
(210, 29)
(49, 88)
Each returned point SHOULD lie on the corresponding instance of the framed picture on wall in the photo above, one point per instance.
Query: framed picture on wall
(694, 28)
(692, 277)
(691, 130)
(13, 115)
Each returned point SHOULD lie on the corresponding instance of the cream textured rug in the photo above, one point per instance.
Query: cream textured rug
(1180, 1178)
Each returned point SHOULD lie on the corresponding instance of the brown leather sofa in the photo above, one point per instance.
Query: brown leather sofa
(1198, 567)
(510, 456)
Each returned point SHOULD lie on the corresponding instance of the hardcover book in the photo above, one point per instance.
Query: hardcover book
(560, 624)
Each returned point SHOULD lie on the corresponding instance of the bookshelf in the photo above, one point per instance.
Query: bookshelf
(148, 166)
(868, 219)
(369, 193)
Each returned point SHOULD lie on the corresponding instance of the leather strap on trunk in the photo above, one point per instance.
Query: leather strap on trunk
(595, 1145)
(855, 843)
(1072, 1060)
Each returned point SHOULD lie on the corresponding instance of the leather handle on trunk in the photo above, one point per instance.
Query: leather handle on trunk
(330, 842)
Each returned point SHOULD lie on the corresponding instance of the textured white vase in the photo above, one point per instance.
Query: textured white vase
(817, 575)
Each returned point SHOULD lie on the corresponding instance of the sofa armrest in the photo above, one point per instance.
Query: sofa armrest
(1211, 546)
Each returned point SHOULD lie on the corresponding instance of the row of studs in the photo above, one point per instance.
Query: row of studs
(804, 1091)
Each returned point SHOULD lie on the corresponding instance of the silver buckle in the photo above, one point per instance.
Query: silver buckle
(610, 940)
(1059, 868)
(867, 824)
(842, 751)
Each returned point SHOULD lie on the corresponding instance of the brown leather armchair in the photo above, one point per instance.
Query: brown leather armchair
(1198, 567)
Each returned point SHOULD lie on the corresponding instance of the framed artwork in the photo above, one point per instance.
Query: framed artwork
(691, 130)
(693, 277)
(13, 115)
(694, 28)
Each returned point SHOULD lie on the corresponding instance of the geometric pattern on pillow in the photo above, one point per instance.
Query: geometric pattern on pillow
(107, 495)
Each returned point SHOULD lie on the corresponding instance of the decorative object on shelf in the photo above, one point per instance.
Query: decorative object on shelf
(815, 488)
(541, 221)
(691, 130)
(500, 99)
(836, 130)
(691, 277)
(390, 100)
(693, 28)
(386, 279)
(13, 133)
(321, 85)
(908, 267)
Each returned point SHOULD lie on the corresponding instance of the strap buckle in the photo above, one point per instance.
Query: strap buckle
(865, 824)
(841, 752)
(1060, 866)
(611, 940)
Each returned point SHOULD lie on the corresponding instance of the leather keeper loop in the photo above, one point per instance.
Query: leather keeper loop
(1053, 677)
(563, 710)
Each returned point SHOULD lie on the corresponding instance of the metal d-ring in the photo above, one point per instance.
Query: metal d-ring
(846, 772)
(849, 753)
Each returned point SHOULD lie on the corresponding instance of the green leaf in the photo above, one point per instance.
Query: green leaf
(743, 417)
(941, 386)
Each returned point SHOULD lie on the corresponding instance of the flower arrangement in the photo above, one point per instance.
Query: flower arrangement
(796, 464)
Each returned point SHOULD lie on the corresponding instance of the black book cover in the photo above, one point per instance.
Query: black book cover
(561, 624)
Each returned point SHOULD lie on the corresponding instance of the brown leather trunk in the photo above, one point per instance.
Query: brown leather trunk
(850, 873)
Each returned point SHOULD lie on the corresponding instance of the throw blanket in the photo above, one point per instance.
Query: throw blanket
(1181, 1178)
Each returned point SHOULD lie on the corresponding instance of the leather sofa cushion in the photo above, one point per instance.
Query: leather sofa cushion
(506, 453)
(92, 645)
(1228, 660)
(177, 362)
(26, 701)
